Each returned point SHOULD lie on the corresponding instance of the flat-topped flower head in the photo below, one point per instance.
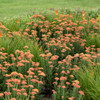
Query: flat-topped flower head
(71, 98)
(81, 92)
(1, 94)
(13, 99)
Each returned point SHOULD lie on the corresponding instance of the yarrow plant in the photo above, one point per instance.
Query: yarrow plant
(50, 59)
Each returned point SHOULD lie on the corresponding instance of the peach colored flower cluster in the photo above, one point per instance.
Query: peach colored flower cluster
(63, 41)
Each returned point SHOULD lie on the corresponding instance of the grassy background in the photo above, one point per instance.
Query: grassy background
(11, 10)
(15, 8)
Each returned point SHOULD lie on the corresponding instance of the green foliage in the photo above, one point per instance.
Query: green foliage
(88, 77)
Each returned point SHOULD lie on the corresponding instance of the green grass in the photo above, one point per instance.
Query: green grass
(15, 8)
(89, 81)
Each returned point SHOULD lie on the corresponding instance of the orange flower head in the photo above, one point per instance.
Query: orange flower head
(63, 87)
(56, 12)
(0, 34)
(83, 13)
(84, 17)
(36, 90)
(41, 73)
(71, 15)
(32, 96)
(25, 94)
(18, 21)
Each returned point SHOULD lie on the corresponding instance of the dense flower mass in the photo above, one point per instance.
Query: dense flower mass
(51, 58)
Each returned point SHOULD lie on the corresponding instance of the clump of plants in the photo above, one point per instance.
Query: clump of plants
(57, 59)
